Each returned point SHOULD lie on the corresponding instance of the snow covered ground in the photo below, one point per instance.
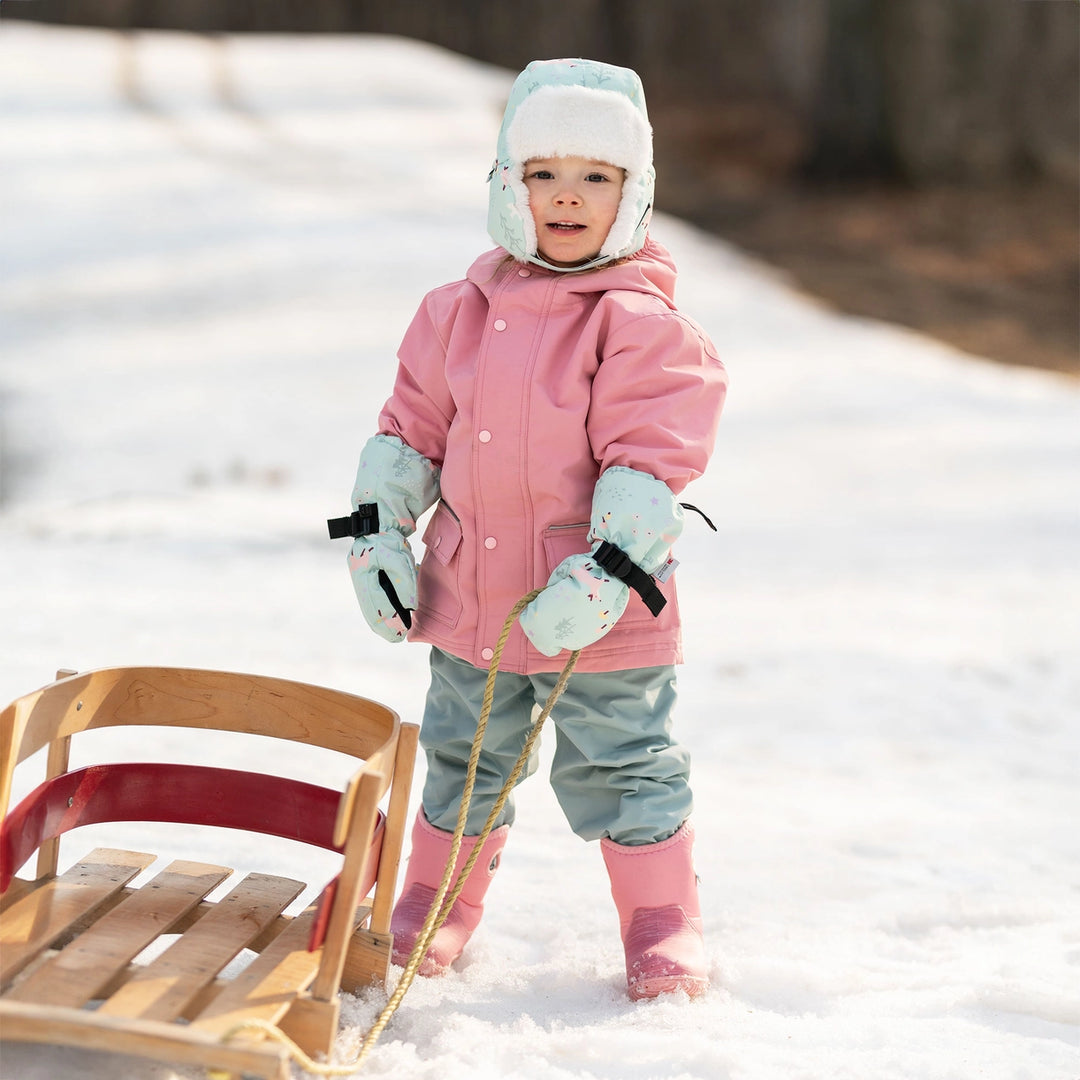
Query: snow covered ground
(208, 253)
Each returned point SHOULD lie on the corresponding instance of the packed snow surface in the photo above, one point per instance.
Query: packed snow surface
(210, 249)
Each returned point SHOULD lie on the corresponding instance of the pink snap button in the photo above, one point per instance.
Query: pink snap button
(499, 324)
(524, 273)
(490, 542)
(484, 436)
(487, 654)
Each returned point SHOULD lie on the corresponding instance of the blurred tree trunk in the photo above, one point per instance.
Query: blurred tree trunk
(981, 89)
(849, 133)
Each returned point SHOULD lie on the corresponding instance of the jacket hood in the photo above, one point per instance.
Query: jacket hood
(650, 270)
(572, 108)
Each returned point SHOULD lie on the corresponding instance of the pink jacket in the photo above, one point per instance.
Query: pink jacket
(524, 385)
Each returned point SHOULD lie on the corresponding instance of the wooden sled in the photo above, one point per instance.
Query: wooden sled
(68, 941)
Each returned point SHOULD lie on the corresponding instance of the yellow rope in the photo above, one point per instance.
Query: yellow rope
(445, 895)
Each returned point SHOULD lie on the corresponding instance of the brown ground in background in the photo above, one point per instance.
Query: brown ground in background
(993, 271)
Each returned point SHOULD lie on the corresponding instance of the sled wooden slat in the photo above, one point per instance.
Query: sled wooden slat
(70, 964)
(41, 915)
(81, 970)
(16, 891)
(49, 1025)
(262, 990)
(162, 989)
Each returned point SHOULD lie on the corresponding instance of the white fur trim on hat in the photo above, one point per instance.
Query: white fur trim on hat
(578, 121)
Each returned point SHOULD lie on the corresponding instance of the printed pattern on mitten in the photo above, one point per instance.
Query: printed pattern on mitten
(389, 553)
(580, 604)
(400, 481)
(638, 514)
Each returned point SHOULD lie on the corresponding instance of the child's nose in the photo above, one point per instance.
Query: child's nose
(568, 197)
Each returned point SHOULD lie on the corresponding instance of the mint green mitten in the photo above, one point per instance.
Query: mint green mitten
(394, 486)
(635, 520)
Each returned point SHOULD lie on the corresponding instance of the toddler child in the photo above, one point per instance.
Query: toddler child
(553, 404)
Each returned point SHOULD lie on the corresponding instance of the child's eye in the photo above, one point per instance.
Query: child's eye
(543, 174)
(596, 178)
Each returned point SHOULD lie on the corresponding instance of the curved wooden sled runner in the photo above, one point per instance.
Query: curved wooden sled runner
(68, 940)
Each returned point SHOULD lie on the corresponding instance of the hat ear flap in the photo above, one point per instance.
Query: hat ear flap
(510, 220)
(628, 230)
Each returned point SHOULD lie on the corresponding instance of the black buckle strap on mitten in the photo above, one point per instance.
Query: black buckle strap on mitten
(395, 600)
(615, 561)
(363, 521)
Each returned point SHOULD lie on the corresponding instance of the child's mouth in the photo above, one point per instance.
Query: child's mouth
(564, 226)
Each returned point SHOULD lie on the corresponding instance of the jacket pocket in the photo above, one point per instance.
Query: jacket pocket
(438, 594)
(562, 541)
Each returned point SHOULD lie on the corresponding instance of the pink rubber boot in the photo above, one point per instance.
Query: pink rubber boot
(655, 892)
(427, 864)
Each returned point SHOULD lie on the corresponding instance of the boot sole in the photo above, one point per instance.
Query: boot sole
(428, 968)
(658, 985)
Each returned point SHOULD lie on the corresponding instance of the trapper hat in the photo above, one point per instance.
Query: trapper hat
(572, 108)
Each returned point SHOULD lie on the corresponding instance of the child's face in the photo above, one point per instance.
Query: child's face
(574, 201)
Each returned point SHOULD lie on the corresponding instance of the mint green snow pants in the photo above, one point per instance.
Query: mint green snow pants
(616, 771)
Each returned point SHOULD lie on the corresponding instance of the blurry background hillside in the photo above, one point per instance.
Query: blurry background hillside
(915, 161)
